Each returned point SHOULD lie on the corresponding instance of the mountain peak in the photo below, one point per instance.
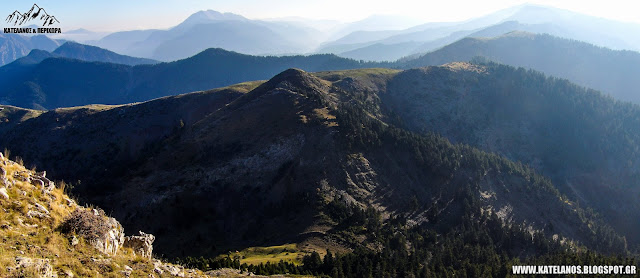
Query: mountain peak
(296, 77)
(295, 81)
(70, 43)
(209, 16)
(292, 72)
(37, 52)
(532, 13)
(215, 15)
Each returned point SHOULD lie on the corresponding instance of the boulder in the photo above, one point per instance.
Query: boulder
(141, 244)
(3, 193)
(37, 183)
(3, 176)
(170, 269)
(43, 183)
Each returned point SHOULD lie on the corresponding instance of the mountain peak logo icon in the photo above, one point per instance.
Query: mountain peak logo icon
(37, 13)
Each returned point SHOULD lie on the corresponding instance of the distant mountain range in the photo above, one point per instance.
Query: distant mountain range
(612, 71)
(30, 83)
(378, 38)
(530, 18)
(45, 81)
(14, 46)
(77, 51)
(211, 29)
(95, 54)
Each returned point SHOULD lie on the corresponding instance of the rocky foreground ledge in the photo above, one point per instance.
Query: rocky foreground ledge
(45, 233)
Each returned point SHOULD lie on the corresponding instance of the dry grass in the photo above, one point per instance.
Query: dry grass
(9, 110)
(356, 73)
(324, 115)
(273, 254)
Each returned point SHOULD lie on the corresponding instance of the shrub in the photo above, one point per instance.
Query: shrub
(85, 223)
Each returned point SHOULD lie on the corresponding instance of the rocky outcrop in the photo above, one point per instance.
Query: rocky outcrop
(112, 240)
(141, 244)
(37, 179)
(35, 212)
(105, 233)
(40, 180)
(102, 232)
(168, 269)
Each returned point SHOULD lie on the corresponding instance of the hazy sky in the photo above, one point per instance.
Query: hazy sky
(114, 15)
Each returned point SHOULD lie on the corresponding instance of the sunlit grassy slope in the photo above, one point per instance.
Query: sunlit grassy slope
(31, 245)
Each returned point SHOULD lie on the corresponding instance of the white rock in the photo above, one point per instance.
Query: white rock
(127, 271)
(42, 208)
(70, 202)
(3, 193)
(74, 241)
(110, 242)
(142, 244)
(37, 183)
(37, 214)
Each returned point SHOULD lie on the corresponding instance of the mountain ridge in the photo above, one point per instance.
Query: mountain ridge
(577, 61)
(144, 82)
(14, 46)
(95, 54)
(329, 133)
